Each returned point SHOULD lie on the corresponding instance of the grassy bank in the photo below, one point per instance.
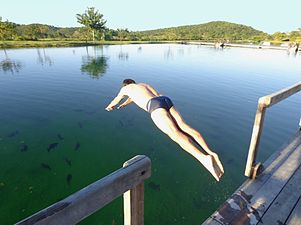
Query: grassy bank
(63, 43)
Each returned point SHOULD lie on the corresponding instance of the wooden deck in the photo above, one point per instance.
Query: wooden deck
(274, 198)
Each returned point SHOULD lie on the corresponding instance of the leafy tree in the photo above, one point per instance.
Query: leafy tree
(81, 34)
(122, 34)
(7, 30)
(294, 35)
(92, 20)
(279, 36)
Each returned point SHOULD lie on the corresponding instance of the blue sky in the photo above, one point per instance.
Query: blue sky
(266, 15)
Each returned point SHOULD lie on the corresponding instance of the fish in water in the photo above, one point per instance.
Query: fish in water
(154, 186)
(60, 137)
(68, 161)
(69, 178)
(77, 146)
(91, 112)
(52, 146)
(45, 166)
(24, 148)
(80, 125)
(121, 123)
(13, 134)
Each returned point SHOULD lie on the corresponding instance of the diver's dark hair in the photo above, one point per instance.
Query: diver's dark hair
(128, 81)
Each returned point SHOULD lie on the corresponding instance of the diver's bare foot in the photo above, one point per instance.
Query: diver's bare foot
(212, 167)
(219, 164)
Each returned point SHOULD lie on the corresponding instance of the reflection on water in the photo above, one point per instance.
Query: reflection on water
(10, 66)
(94, 66)
(168, 54)
(123, 56)
(94, 63)
(181, 52)
(43, 58)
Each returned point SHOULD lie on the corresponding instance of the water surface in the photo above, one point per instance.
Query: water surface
(56, 137)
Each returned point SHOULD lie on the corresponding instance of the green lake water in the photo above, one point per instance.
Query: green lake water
(57, 96)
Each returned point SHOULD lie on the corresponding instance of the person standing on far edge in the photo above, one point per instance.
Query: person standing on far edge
(168, 119)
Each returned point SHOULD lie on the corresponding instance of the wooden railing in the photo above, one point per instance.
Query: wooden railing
(253, 168)
(128, 180)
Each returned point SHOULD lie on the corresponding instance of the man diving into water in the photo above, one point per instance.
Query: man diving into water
(168, 120)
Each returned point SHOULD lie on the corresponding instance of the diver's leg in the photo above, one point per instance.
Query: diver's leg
(165, 123)
(194, 133)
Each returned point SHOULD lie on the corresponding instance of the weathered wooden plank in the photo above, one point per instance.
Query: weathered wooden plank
(244, 208)
(285, 201)
(211, 221)
(278, 96)
(250, 187)
(133, 201)
(93, 197)
(295, 217)
(262, 200)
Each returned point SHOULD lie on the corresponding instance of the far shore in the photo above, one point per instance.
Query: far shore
(71, 43)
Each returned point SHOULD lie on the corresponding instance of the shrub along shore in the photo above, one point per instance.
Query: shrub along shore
(67, 43)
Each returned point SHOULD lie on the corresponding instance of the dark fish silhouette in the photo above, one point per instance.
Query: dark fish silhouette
(69, 178)
(154, 186)
(45, 166)
(150, 151)
(121, 123)
(52, 146)
(80, 125)
(13, 134)
(77, 146)
(130, 122)
(91, 112)
(24, 148)
(197, 203)
(68, 161)
(60, 137)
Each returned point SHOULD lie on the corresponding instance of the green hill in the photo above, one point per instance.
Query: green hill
(208, 31)
(42, 31)
(211, 31)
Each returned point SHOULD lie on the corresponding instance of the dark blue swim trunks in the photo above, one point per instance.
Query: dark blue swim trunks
(159, 102)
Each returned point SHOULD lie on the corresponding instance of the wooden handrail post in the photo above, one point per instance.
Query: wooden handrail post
(263, 103)
(257, 129)
(133, 203)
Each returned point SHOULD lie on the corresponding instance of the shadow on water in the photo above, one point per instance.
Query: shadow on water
(10, 66)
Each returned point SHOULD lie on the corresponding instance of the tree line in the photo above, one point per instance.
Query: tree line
(94, 29)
